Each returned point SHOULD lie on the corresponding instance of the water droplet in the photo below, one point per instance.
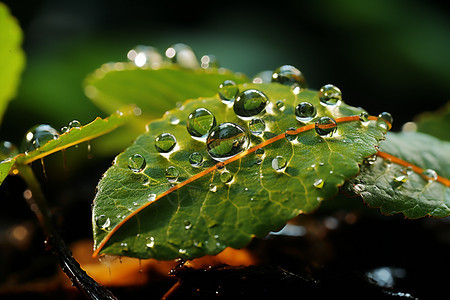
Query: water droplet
(431, 174)
(385, 120)
(151, 197)
(145, 55)
(37, 136)
(196, 159)
(64, 129)
(400, 176)
(260, 152)
(228, 91)
(291, 134)
(326, 126)
(226, 140)
(187, 224)
(165, 142)
(209, 61)
(136, 163)
(172, 174)
(330, 95)
(103, 222)
(279, 163)
(318, 183)
(7, 149)
(213, 188)
(182, 251)
(183, 55)
(250, 103)
(74, 124)
(200, 122)
(226, 177)
(280, 105)
(257, 126)
(124, 246)
(150, 242)
(359, 188)
(305, 112)
(370, 160)
(174, 120)
(364, 118)
(289, 75)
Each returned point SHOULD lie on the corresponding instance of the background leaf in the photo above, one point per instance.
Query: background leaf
(12, 58)
(380, 184)
(208, 215)
(435, 123)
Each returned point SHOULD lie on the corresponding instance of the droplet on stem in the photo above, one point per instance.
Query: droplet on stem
(431, 174)
(226, 140)
(385, 120)
(326, 126)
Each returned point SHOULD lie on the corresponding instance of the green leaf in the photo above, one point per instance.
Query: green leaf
(75, 136)
(153, 90)
(381, 184)
(206, 210)
(435, 123)
(12, 58)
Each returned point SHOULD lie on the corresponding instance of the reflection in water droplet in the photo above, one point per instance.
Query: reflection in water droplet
(257, 126)
(165, 142)
(37, 136)
(330, 95)
(103, 222)
(250, 103)
(136, 163)
(196, 159)
(318, 183)
(431, 174)
(279, 163)
(187, 224)
(305, 112)
(364, 118)
(385, 120)
(226, 140)
(226, 177)
(212, 188)
(291, 134)
(172, 174)
(326, 126)
(289, 75)
(228, 91)
(183, 55)
(200, 122)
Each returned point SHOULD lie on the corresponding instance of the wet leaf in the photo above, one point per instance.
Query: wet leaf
(415, 192)
(12, 58)
(75, 136)
(203, 208)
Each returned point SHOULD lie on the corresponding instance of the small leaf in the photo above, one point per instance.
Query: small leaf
(409, 186)
(178, 207)
(12, 58)
(73, 137)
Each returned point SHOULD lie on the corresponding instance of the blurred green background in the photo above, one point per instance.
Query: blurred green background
(385, 55)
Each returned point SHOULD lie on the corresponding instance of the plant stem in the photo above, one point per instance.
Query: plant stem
(38, 204)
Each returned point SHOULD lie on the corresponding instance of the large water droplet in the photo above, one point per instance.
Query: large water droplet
(385, 120)
(279, 163)
(250, 103)
(431, 174)
(165, 142)
(257, 126)
(183, 55)
(226, 177)
(172, 174)
(289, 75)
(318, 183)
(226, 140)
(200, 122)
(305, 112)
(136, 163)
(145, 56)
(196, 159)
(103, 222)
(228, 91)
(330, 95)
(326, 126)
(37, 136)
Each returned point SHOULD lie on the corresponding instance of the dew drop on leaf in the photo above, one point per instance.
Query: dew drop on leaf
(260, 152)
(257, 126)
(200, 122)
(226, 140)
(226, 177)
(74, 124)
(279, 163)
(228, 91)
(103, 222)
(291, 134)
(250, 103)
(318, 183)
(151, 197)
(196, 159)
(431, 174)
(213, 188)
(165, 142)
(364, 118)
(145, 55)
(37, 136)
(183, 55)
(400, 176)
(172, 174)
(326, 126)
(280, 105)
(136, 163)
(305, 112)
(150, 242)
(330, 95)
(289, 75)
(385, 120)
(187, 224)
